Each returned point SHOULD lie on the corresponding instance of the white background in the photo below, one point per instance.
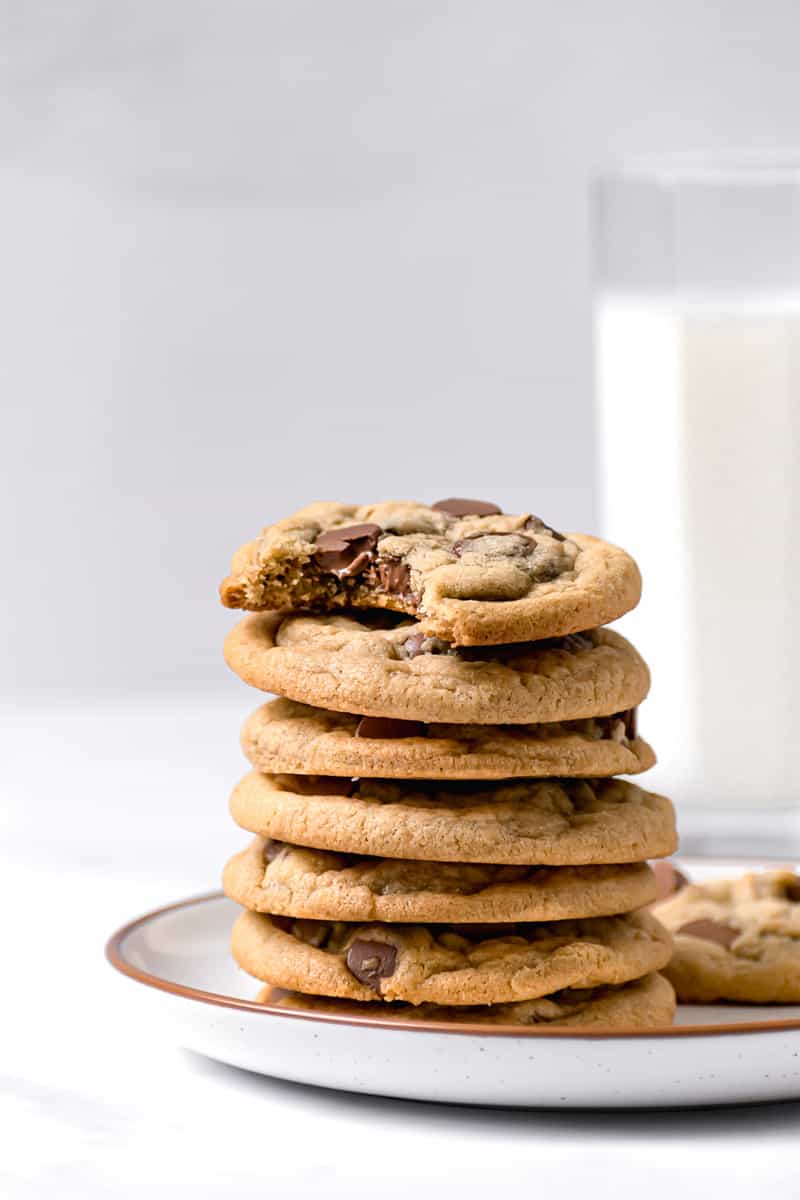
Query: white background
(254, 254)
(257, 253)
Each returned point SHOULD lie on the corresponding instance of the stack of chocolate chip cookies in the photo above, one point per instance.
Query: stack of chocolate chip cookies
(440, 832)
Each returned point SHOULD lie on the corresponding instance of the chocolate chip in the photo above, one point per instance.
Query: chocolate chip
(711, 931)
(371, 961)
(540, 526)
(456, 507)
(345, 552)
(337, 539)
(272, 849)
(668, 879)
(357, 565)
(388, 727)
(793, 890)
(464, 546)
(319, 785)
(394, 576)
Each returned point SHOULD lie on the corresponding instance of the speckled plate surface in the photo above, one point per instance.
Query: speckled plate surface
(714, 1054)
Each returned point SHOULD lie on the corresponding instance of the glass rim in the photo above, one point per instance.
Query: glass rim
(699, 167)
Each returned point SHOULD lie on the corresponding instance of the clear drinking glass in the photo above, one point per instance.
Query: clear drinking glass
(698, 394)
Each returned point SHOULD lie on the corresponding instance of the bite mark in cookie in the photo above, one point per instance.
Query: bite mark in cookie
(471, 574)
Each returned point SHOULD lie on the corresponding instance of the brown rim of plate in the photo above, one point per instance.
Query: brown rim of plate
(115, 955)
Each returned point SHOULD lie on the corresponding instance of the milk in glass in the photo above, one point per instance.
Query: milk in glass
(698, 400)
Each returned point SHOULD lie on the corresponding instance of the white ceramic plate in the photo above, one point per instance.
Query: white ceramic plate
(714, 1055)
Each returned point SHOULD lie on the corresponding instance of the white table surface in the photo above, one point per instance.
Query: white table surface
(112, 808)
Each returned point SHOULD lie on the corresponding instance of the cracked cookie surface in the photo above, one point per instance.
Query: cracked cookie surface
(377, 668)
(546, 822)
(294, 881)
(471, 574)
(284, 737)
(448, 964)
(736, 939)
(642, 1004)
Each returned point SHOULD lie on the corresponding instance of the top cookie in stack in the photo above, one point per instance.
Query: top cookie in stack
(471, 574)
(422, 651)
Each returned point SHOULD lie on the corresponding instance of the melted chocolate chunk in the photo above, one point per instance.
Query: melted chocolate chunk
(346, 552)
(711, 931)
(371, 961)
(394, 576)
(668, 879)
(540, 526)
(389, 727)
(464, 545)
(456, 507)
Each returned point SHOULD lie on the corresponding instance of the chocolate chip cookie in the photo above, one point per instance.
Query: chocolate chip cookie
(642, 1004)
(294, 881)
(469, 573)
(448, 964)
(549, 822)
(736, 939)
(383, 667)
(284, 737)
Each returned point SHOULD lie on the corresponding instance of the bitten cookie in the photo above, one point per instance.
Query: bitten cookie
(471, 574)
(736, 939)
(445, 964)
(642, 1004)
(284, 737)
(549, 822)
(274, 877)
(364, 666)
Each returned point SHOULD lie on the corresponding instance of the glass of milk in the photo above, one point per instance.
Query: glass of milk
(698, 394)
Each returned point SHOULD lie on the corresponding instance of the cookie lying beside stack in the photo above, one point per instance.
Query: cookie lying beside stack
(439, 832)
(735, 939)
